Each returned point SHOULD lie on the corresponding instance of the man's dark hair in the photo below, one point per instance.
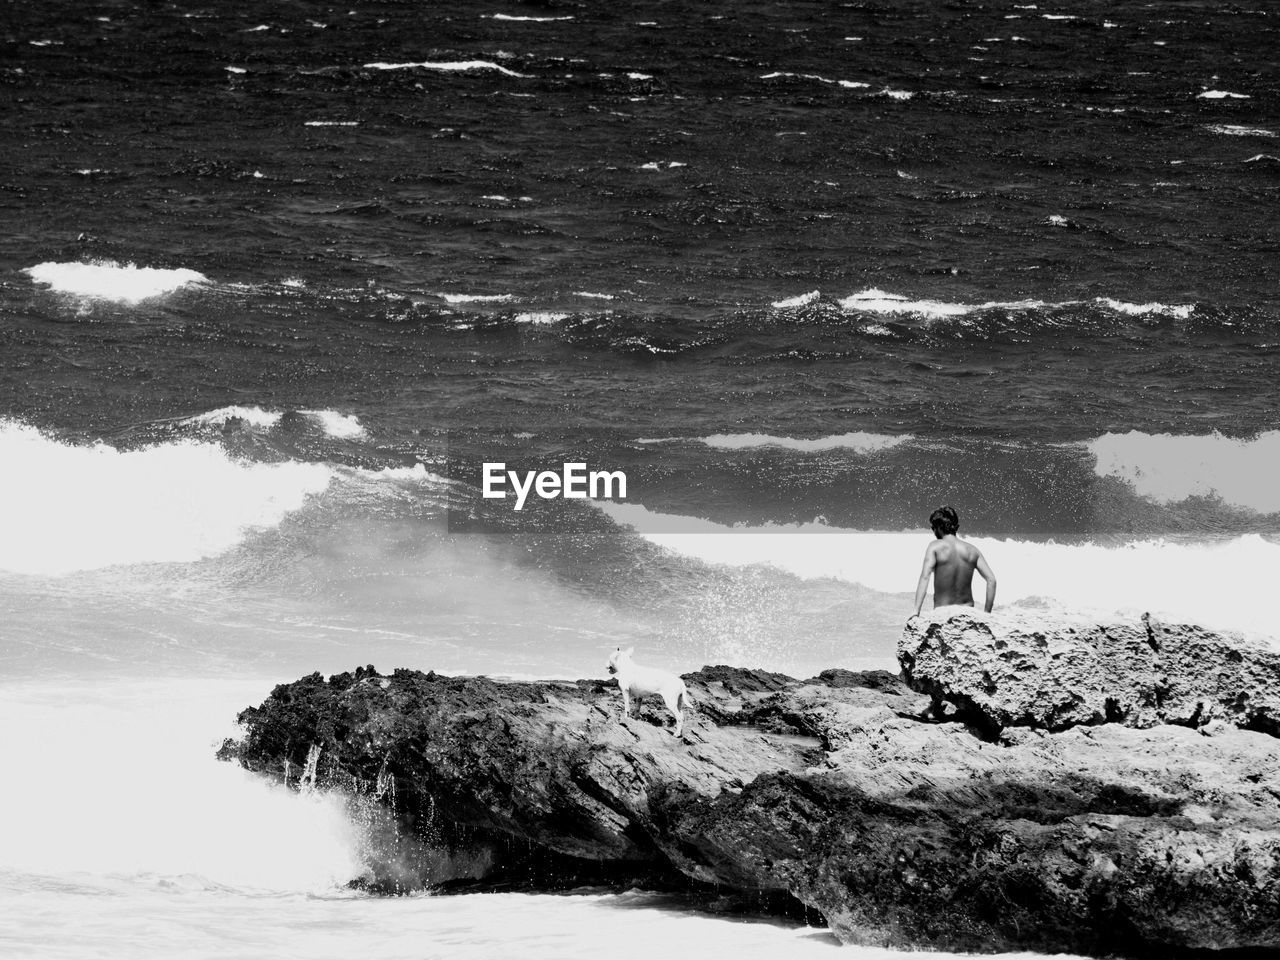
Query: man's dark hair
(944, 520)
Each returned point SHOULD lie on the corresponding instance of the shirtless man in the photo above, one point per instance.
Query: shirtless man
(951, 561)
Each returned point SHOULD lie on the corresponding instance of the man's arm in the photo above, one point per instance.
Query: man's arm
(990, 577)
(930, 561)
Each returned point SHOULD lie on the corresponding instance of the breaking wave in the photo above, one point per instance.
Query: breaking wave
(880, 302)
(1170, 469)
(890, 304)
(803, 300)
(65, 507)
(1239, 130)
(337, 425)
(109, 280)
(459, 66)
(252, 834)
(476, 297)
(858, 441)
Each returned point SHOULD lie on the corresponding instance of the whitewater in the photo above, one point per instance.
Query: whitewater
(133, 841)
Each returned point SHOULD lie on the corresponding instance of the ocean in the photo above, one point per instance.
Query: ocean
(280, 277)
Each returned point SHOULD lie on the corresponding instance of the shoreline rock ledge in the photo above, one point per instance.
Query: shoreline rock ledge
(1050, 785)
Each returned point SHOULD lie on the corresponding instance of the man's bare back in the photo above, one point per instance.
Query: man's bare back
(951, 562)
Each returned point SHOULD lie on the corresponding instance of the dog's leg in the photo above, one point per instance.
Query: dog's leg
(626, 702)
(682, 701)
(673, 704)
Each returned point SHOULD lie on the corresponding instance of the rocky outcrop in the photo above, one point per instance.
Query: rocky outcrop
(844, 794)
(1028, 669)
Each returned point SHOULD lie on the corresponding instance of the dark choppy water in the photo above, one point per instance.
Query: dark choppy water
(531, 177)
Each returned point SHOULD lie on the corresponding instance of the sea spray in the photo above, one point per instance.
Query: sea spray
(68, 507)
(1170, 468)
(121, 781)
(307, 782)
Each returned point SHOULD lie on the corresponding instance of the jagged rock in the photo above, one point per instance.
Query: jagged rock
(842, 792)
(1023, 668)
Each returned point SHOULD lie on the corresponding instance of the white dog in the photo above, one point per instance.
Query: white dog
(645, 681)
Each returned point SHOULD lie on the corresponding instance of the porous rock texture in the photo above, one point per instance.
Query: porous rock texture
(845, 792)
(1027, 668)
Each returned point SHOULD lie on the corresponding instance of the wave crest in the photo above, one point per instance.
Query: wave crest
(338, 425)
(109, 280)
(1171, 469)
(892, 304)
(858, 441)
(457, 66)
(879, 302)
(65, 508)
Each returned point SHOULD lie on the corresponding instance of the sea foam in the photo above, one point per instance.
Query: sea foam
(540, 317)
(509, 17)
(860, 442)
(65, 507)
(802, 300)
(476, 297)
(138, 823)
(133, 841)
(847, 84)
(1179, 310)
(1239, 130)
(108, 280)
(455, 66)
(338, 425)
(1170, 468)
(880, 302)
(890, 304)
